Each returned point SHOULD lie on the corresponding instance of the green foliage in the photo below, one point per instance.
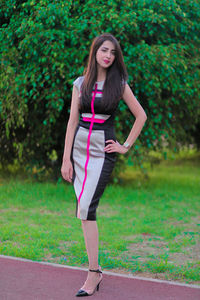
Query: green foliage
(44, 46)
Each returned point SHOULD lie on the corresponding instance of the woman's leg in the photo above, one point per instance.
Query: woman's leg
(90, 231)
(91, 236)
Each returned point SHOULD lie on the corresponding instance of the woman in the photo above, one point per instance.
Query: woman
(90, 143)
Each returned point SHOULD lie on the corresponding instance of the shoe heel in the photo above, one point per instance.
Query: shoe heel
(98, 287)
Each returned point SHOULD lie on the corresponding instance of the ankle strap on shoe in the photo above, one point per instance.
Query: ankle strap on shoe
(97, 271)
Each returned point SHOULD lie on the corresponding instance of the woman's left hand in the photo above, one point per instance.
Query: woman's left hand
(115, 147)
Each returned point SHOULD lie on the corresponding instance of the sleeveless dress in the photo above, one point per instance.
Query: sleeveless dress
(92, 165)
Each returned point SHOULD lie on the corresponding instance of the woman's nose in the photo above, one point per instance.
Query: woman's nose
(108, 54)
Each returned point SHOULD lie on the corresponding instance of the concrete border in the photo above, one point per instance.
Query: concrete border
(105, 272)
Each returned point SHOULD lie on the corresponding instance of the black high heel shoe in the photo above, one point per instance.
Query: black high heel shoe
(82, 293)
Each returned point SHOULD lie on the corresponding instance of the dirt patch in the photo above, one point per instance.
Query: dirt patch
(162, 276)
(188, 254)
(154, 247)
(107, 211)
(192, 225)
(149, 246)
(10, 209)
(48, 212)
(48, 257)
(66, 244)
(29, 211)
(57, 260)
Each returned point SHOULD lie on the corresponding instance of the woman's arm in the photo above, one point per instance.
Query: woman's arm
(140, 116)
(67, 169)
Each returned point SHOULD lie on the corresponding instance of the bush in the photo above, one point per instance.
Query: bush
(45, 46)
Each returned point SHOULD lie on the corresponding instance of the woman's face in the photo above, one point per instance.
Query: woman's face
(106, 54)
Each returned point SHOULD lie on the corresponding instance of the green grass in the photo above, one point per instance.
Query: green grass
(147, 226)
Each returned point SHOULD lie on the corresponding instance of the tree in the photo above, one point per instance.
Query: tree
(45, 46)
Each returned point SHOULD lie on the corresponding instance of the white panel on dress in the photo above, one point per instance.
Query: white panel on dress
(94, 167)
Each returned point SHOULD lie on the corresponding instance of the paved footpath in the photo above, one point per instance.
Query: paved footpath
(22, 279)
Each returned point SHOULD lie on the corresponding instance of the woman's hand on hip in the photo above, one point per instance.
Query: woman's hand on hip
(115, 147)
(67, 170)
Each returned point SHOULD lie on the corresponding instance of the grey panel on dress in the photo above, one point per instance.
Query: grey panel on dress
(97, 116)
(78, 82)
(94, 167)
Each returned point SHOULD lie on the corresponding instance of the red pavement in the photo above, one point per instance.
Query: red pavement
(27, 280)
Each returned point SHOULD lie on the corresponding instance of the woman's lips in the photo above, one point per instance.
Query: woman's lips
(106, 61)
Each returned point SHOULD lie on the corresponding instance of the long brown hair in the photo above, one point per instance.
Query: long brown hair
(116, 75)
